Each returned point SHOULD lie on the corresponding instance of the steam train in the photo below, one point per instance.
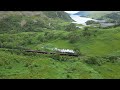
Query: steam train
(60, 53)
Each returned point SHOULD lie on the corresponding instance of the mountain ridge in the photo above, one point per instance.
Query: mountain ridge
(51, 14)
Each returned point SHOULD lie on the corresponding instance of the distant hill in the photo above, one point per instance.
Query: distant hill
(94, 14)
(32, 20)
(112, 17)
(49, 14)
(82, 13)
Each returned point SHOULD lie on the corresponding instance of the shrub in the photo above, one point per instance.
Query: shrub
(95, 60)
(8, 67)
(113, 59)
(41, 38)
(86, 33)
(73, 37)
(77, 51)
(85, 28)
(35, 65)
(71, 27)
(60, 58)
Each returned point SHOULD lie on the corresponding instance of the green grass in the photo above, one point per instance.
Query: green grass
(44, 67)
(109, 70)
(19, 66)
(102, 43)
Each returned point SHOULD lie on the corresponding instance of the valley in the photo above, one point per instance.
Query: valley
(97, 48)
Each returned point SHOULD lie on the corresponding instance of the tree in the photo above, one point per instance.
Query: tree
(73, 37)
(86, 33)
(71, 27)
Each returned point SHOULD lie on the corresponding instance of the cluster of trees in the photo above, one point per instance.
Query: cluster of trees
(75, 35)
(17, 40)
(71, 27)
(101, 60)
(10, 23)
(91, 22)
(46, 36)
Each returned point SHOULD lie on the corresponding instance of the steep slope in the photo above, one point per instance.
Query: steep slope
(58, 14)
(15, 64)
(31, 20)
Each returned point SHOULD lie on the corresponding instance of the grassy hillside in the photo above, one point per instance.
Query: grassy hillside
(32, 21)
(50, 14)
(58, 14)
(99, 49)
(94, 14)
(98, 14)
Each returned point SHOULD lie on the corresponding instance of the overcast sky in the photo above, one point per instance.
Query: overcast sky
(71, 12)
